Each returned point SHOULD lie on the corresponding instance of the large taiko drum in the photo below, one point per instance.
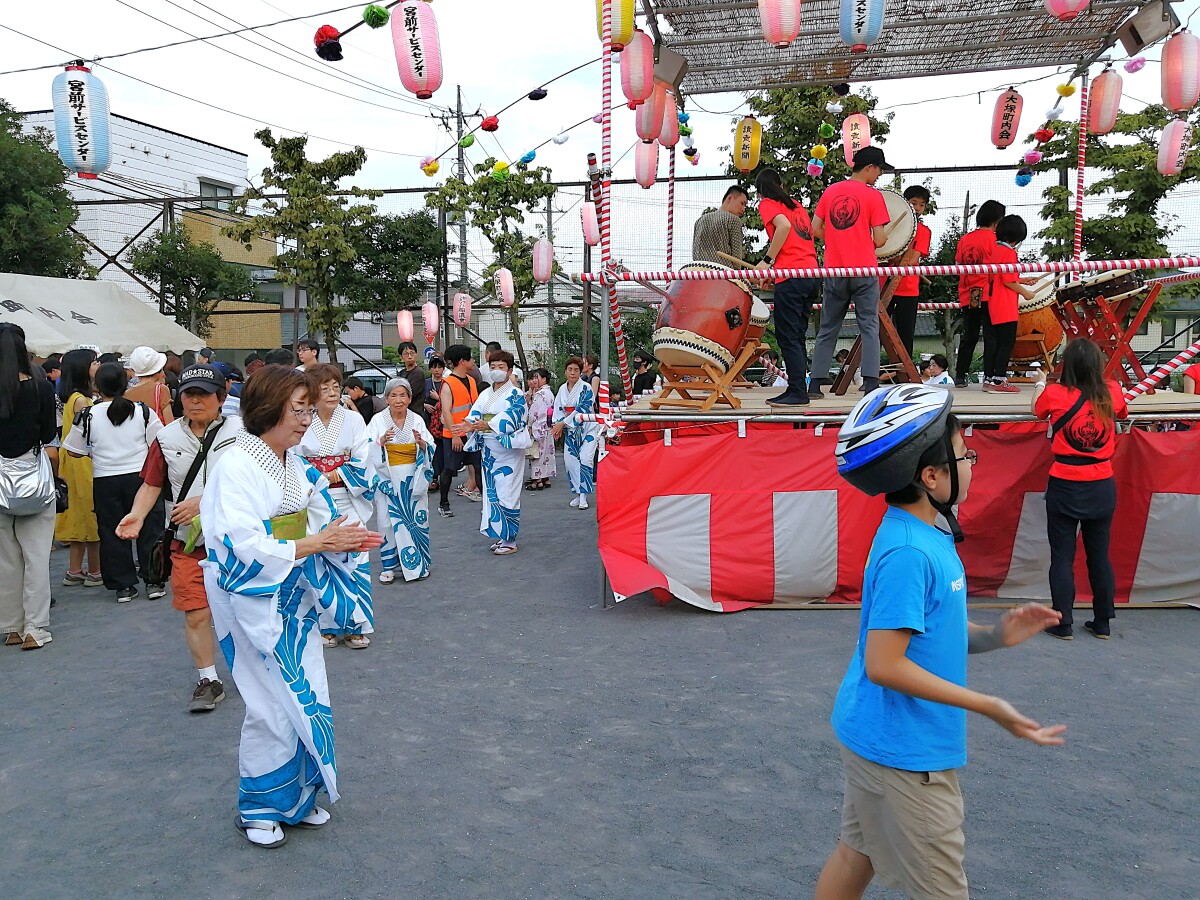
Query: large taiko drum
(703, 321)
(1114, 286)
(902, 228)
(760, 318)
(1037, 316)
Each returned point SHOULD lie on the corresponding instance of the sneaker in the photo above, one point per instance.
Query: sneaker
(74, 579)
(1001, 387)
(154, 591)
(462, 491)
(477, 496)
(126, 594)
(1062, 632)
(1099, 630)
(785, 401)
(445, 512)
(93, 579)
(868, 385)
(207, 695)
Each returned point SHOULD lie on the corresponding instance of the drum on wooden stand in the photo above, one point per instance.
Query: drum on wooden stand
(703, 321)
(902, 228)
(1114, 286)
(1037, 317)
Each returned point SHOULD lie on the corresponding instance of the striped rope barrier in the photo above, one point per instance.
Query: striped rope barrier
(1163, 371)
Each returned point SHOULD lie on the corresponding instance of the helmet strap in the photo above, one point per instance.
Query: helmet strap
(946, 508)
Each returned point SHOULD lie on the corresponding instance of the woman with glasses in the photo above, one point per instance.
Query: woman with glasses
(402, 453)
(336, 445)
(279, 554)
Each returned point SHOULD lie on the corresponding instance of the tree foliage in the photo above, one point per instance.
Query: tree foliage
(315, 223)
(567, 334)
(394, 256)
(193, 274)
(36, 209)
(499, 208)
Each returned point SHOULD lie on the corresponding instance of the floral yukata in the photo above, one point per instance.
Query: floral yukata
(342, 445)
(581, 439)
(503, 451)
(266, 606)
(405, 471)
(541, 414)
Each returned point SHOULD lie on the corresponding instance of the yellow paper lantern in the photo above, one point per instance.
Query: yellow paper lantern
(820, 151)
(1065, 90)
(747, 144)
(622, 22)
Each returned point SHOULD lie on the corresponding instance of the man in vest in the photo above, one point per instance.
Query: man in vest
(171, 461)
(459, 392)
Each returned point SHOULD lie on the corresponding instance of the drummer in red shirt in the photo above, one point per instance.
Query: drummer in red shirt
(790, 232)
(1191, 379)
(851, 217)
(975, 248)
(903, 309)
(1000, 322)
(1081, 494)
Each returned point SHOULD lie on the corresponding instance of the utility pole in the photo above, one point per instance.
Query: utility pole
(463, 283)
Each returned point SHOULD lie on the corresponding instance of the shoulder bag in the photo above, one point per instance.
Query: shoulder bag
(26, 482)
(158, 567)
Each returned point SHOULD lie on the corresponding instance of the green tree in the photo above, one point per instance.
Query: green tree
(499, 207)
(393, 256)
(314, 222)
(36, 210)
(945, 290)
(567, 333)
(193, 275)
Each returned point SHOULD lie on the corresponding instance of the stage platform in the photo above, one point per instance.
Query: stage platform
(970, 403)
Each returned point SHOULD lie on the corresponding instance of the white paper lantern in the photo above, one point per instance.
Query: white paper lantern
(645, 163)
(591, 223)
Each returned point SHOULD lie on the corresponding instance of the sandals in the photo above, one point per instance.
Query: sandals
(329, 640)
(356, 642)
(531, 486)
(265, 833)
(314, 819)
(504, 551)
(387, 576)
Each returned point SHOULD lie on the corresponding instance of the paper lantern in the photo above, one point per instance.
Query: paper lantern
(1066, 10)
(561, 139)
(1006, 118)
(747, 144)
(1135, 64)
(503, 282)
(543, 260)
(1180, 72)
(649, 116)
(645, 163)
(429, 320)
(856, 134)
(861, 22)
(329, 45)
(404, 325)
(462, 310)
(375, 16)
(81, 121)
(418, 51)
(637, 68)
(591, 223)
(780, 21)
(1104, 102)
(669, 135)
(621, 13)
(1173, 147)
(490, 123)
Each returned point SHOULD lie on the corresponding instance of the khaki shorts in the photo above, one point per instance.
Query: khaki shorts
(909, 824)
(187, 579)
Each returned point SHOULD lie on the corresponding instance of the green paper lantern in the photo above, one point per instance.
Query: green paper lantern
(826, 130)
(467, 141)
(685, 130)
(375, 16)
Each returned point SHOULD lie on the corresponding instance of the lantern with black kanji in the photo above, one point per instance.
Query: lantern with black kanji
(81, 121)
(418, 51)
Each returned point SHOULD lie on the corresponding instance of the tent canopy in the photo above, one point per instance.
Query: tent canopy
(723, 43)
(61, 314)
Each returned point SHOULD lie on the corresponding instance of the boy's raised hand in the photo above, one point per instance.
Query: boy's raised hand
(1023, 622)
(1006, 716)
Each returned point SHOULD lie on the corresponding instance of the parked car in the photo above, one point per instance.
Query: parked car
(375, 379)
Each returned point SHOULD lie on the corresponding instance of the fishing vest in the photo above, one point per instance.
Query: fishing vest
(179, 450)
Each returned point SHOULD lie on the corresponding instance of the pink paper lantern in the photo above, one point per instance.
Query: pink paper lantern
(429, 320)
(543, 255)
(645, 163)
(1181, 72)
(1104, 102)
(418, 50)
(404, 325)
(591, 223)
(503, 282)
(1033, 157)
(856, 134)
(1006, 118)
(650, 113)
(669, 134)
(1066, 10)
(462, 310)
(637, 68)
(780, 21)
(1173, 147)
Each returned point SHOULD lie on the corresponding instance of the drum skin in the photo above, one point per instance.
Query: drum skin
(901, 229)
(703, 321)
(760, 318)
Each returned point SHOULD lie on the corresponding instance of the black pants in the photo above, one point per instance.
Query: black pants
(998, 341)
(113, 497)
(904, 316)
(452, 462)
(1073, 507)
(972, 322)
(793, 308)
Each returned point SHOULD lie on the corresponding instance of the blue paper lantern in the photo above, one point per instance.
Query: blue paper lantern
(861, 22)
(529, 157)
(1023, 180)
(81, 121)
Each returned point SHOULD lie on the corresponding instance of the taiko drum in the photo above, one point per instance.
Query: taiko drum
(1037, 317)
(703, 321)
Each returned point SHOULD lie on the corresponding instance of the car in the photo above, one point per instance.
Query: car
(374, 379)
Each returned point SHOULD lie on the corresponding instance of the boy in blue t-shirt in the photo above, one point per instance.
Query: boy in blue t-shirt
(900, 713)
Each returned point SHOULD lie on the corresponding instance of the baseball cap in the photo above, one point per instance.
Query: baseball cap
(202, 378)
(146, 361)
(225, 369)
(871, 156)
(206, 352)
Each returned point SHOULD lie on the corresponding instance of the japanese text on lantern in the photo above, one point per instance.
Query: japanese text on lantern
(1008, 117)
(411, 25)
(856, 141)
(77, 100)
(860, 15)
(747, 142)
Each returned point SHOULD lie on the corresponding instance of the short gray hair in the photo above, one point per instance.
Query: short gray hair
(394, 383)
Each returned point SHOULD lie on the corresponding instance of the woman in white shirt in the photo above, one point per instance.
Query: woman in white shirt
(116, 433)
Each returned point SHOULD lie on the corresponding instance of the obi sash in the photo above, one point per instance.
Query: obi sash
(327, 464)
(401, 454)
(291, 527)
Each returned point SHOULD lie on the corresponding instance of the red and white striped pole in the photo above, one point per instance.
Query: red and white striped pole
(772, 368)
(671, 211)
(1163, 371)
(1181, 278)
(1081, 168)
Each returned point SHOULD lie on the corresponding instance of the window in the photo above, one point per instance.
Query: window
(209, 189)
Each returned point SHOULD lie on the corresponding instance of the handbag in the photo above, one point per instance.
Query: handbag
(158, 566)
(26, 483)
(62, 495)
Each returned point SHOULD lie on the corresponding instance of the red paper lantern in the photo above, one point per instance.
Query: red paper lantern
(1173, 147)
(1104, 102)
(1006, 118)
(429, 320)
(591, 223)
(491, 123)
(418, 51)
(404, 325)
(637, 69)
(856, 134)
(780, 21)
(668, 136)
(462, 310)
(650, 113)
(645, 163)
(1066, 10)
(1181, 72)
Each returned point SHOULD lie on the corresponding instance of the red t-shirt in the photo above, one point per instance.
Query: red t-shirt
(1193, 372)
(850, 209)
(910, 285)
(154, 469)
(798, 251)
(1001, 299)
(974, 249)
(1085, 436)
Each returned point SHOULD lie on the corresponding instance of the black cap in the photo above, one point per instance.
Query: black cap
(203, 378)
(206, 351)
(436, 361)
(871, 156)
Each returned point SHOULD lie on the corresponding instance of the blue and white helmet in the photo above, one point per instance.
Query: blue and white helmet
(881, 442)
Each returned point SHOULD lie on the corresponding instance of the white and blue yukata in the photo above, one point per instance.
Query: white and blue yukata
(502, 448)
(404, 470)
(342, 445)
(581, 439)
(265, 606)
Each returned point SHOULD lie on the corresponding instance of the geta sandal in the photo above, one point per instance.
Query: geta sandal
(269, 826)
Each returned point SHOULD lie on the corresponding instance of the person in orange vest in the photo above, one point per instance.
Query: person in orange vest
(459, 393)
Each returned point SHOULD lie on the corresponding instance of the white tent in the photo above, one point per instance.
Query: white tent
(61, 314)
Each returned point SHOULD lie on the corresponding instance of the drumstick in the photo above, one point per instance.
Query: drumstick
(741, 263)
